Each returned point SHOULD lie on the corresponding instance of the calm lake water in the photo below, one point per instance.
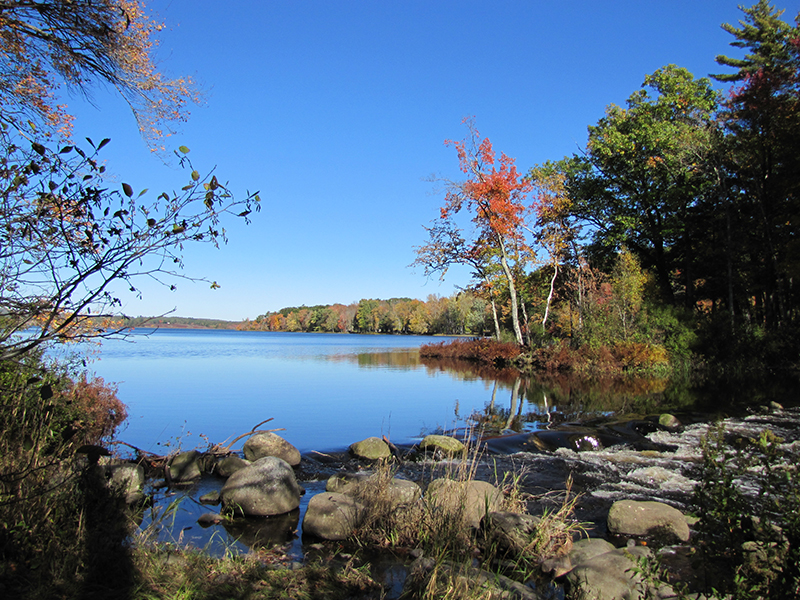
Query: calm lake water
(325, 390)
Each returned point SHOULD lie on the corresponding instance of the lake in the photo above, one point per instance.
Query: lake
(325, 391)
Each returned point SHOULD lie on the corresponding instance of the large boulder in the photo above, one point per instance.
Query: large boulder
(332, 516)
(473, 499)
(267, 487)
(648, 519)
(260, 445)
(442, 443)
(373, 448)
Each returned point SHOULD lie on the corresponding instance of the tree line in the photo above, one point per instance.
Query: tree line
(462, 313)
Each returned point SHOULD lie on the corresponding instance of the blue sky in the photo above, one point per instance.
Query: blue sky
(336, 112)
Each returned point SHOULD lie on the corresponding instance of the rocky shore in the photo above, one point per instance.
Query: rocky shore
(632, 482)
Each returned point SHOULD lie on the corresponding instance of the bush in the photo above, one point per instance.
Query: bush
(482, 350)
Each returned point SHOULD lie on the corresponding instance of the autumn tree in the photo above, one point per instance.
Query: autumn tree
(494, 196)
(49, 45)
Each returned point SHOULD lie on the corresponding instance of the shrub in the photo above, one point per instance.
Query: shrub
(482, 350)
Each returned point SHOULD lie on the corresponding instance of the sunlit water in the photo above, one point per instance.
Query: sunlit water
(325, 391)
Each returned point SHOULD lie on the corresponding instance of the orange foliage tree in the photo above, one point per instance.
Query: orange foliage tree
(47, 45)
(494, 195)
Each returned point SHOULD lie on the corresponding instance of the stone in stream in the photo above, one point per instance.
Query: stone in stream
(373, 448)
(267, 487)
(651, 519)
(442, 443)
(260, 445)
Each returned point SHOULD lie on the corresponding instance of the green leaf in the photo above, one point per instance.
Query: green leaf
(142, 193)
(195, 175)
(103, 143)
(127, 189)
(183, 149)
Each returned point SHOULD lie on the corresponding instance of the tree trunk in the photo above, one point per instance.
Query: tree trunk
(512, 291)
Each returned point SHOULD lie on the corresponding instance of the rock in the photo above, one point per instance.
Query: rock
(228, 465)
(209, 518)
(372, 448)
(470, 582)
(210, 498)
(185, 467)
(269, 444)
(128, 478)
(511, 532)
(669, 421)
(582, 551)
(266, 487)
(609, 576)
(474, 498)
(442, 443)
(396, 491)
(652, 519)
(341, 481)
(332, 516)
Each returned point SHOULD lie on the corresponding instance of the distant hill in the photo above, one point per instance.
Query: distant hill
(171, 322)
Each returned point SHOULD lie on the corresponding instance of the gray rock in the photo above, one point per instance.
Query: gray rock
(652, 519)
(210, 498)
(126, 477)
(469, 582)
(269, 444)
(473, 498)
(608, 576)
(185, 466)
(265, 488)
(396, 491)
(332, 516)
(341, 481)
(443, 443)
(511, 532)
(582, 551)
(372, 448)
(228, 465)
(208, 519)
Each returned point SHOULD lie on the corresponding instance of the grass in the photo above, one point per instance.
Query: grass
(459, 561)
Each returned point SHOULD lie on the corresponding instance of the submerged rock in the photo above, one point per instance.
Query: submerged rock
(266, 487)
(269, 444)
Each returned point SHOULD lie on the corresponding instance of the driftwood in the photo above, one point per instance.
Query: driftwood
(160, 461)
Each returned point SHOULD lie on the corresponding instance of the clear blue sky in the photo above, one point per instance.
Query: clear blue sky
(336, 111)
